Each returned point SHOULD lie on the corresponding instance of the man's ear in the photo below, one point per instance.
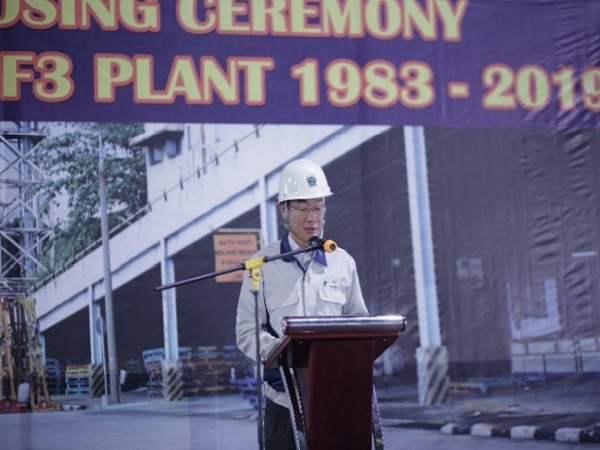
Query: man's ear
(282, 207)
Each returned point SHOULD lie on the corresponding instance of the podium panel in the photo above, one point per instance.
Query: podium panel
(327, 365)
(338, 395)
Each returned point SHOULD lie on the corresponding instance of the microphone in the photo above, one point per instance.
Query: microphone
(327, 245)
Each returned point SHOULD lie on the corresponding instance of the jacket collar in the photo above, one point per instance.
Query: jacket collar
(284, 247)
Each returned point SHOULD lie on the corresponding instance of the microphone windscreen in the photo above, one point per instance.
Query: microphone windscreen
(329, 246)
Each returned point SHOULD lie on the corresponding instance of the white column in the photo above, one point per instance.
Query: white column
(432, 357)
(95, 337)
(268, 214)
(169, 303)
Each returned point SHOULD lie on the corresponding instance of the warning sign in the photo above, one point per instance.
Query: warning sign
(233, 247)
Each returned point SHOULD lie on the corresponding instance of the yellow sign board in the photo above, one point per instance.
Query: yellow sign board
(233, 247)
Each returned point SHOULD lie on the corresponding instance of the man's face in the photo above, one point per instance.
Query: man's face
(305, 219)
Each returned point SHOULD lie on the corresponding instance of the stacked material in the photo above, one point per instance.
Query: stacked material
(54, 377)
(77, 379)
(203, 370)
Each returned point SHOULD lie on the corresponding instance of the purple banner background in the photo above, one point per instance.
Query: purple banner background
(550, 34)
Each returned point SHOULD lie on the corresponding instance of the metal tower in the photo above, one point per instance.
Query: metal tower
(22, 230)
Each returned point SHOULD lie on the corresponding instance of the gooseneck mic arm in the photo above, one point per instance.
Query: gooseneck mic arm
(314, 243)
(201, 277)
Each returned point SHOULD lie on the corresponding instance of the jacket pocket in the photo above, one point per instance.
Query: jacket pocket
(332, 296)
(291, 300)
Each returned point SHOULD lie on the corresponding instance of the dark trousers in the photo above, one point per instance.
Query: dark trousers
(278, 428)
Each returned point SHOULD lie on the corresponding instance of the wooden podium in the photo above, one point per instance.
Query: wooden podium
(327, 369)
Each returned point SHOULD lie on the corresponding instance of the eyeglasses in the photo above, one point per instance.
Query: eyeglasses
(303, 211)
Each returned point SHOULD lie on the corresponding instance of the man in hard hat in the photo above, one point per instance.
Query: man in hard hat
(307, 284)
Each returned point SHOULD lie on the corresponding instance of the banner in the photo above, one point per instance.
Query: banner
(500, 63)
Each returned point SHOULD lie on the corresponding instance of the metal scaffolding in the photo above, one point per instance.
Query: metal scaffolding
(22, 230)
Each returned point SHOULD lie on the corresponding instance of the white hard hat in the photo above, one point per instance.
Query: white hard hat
(302, 180)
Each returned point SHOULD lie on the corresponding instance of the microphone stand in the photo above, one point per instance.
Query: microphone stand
(251, 264)
(254, 266)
